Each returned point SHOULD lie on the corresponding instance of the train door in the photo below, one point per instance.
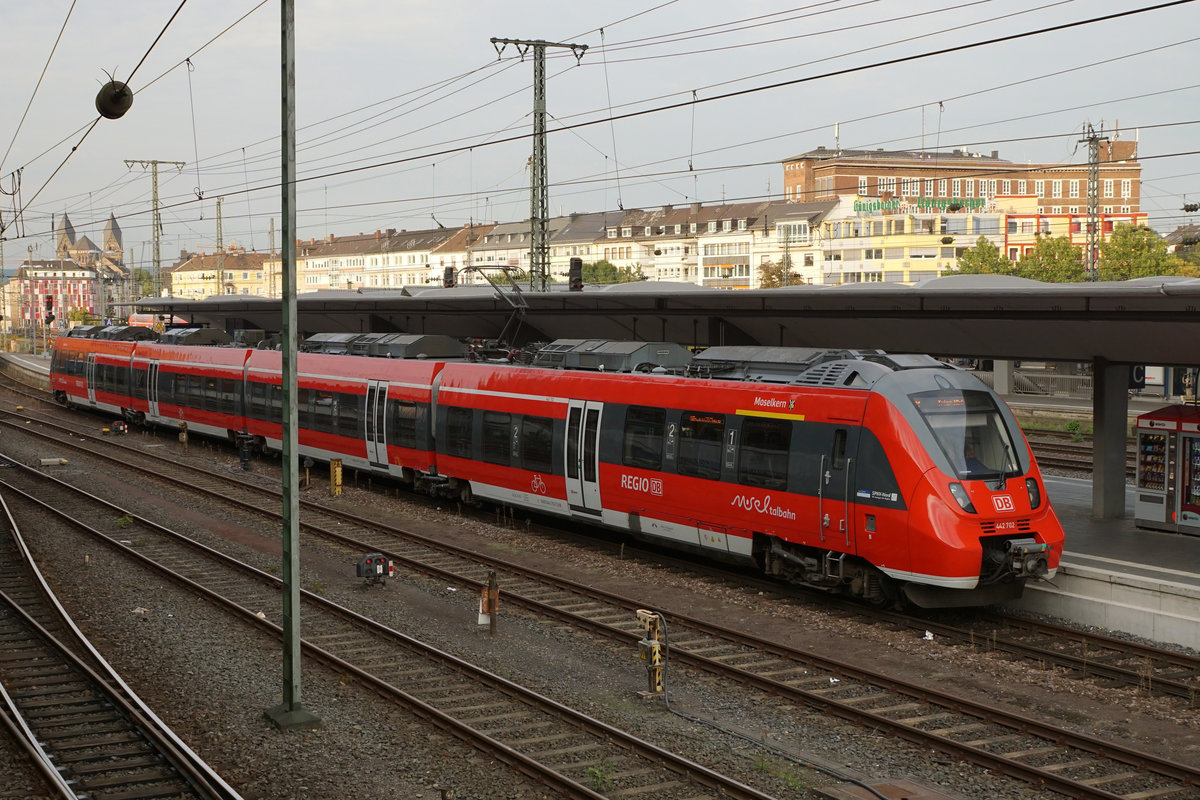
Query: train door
(582, 455)
(376, 417)
(834, 498)
(89, 376)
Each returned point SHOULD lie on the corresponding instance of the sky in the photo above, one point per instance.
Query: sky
(407, 116)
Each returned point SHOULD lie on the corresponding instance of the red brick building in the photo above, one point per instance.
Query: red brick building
(939, 179)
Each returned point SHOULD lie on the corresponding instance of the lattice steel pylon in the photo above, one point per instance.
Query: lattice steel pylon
(156, 221)
(539, 193)
(1091, 253)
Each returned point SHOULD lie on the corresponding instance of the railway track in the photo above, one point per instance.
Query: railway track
(1066, 453)
(1074, 765)
(81, 728)
(552, 743)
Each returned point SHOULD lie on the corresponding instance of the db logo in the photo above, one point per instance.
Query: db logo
(1003, 502)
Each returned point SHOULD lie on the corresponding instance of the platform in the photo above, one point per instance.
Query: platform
(1117, 576)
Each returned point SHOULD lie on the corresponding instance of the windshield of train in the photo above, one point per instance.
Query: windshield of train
(971, 432)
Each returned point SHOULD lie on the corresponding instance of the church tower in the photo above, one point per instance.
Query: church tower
(64, 238)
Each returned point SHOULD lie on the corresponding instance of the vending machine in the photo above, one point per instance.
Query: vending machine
(1168, 470)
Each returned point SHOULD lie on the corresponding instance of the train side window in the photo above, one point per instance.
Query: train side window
(275, 402)
(874, 473)
(121, 372)
(642, 441)
(257, 401)
(701, 440)
(537, 444)
(496, 428)
(763, 456)
(346, 413)
(140, 380)
(226, 399)
(304, 415)
(407, 419)
(166, 387)
(193, 394)
(839, 449)
(324, 411)
(458, 431)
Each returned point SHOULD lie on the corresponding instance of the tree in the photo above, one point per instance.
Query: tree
(772, 275)
(81, 316)
(984, 259)
(1054, 260)
(606, 272)
(144, 282)
(1135, 251)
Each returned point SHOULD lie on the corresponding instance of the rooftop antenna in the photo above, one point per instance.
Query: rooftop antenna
(837, 139)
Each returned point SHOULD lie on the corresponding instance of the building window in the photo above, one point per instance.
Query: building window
(1021, 186)
(1039, 188)
(1056, 188)
(970, 187)
(942, 187)
(612, 233)
(1073, 189)
(956, 188)
(741, 224)
(929, 187)
(1007, 187)
(1108, 188)
(712, 226)
(627, 232)
(862, 184)
(1126, 188)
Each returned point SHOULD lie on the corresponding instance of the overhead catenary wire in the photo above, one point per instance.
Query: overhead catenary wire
(376, 166)
(96, 121)
(268, 156)
(38, 85)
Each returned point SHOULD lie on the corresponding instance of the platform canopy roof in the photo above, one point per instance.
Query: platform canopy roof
(1143, 321)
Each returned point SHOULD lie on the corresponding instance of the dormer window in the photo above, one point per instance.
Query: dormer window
(627, 232)
(695, 227)
(741, 224)
(678, 229)
(726, 224)
(647, 231)
(612, 233)
(712, 226)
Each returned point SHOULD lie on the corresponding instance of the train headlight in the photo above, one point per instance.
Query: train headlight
(1035, 494)
(964, 500)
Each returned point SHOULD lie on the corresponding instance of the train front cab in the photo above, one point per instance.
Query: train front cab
(980, 522)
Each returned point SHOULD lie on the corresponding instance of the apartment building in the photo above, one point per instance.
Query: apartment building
(233, 272)
(865, 239)
(55, 287)
(962, 177)
(721, 246)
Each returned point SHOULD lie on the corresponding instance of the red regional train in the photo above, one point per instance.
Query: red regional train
(892, 478)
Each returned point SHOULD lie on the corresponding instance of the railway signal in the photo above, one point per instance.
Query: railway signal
(375, 568)
(650, 649)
